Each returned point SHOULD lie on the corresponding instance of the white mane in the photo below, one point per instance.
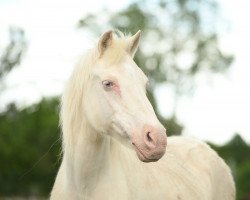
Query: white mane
(73, 95)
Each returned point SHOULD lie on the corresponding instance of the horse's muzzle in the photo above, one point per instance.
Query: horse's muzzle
(151, 144)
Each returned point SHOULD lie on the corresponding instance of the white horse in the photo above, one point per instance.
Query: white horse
(108, 123)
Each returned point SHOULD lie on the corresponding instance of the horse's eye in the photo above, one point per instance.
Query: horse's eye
(107, 85)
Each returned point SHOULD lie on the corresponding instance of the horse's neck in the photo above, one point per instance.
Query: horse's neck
(87, 158)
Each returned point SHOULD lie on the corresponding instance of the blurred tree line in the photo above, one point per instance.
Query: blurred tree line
(180, 41)
(29, 149)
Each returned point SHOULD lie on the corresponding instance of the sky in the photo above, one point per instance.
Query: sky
(215, 113)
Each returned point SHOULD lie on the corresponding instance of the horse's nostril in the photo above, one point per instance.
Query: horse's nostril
(149, 137)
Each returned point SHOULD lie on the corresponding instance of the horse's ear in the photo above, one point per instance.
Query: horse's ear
(134, 43)
(105, 41)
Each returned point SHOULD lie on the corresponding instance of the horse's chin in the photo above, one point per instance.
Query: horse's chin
(142, 157)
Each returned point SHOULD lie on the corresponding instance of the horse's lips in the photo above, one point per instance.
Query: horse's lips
(141, 156)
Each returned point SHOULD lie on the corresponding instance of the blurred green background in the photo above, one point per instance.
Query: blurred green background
(30, 145)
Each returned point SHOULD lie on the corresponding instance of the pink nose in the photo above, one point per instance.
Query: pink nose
(150, 137)
(151, 144)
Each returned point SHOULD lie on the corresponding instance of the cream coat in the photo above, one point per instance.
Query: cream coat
(99, 162)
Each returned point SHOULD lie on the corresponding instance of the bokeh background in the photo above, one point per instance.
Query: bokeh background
(195, 53)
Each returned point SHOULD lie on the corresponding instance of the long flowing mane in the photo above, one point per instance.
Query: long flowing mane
(72, 98)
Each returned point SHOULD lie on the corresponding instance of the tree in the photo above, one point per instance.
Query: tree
(29, 149)
(12, 54)
(178, 43)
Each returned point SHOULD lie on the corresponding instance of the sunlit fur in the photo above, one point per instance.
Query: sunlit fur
(97, 166)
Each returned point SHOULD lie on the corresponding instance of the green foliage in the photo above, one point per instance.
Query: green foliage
(177, 41)
(28, 136)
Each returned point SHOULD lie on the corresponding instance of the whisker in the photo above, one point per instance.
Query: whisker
(39, 160)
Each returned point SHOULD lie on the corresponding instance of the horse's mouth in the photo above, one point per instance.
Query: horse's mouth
(142, 156)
